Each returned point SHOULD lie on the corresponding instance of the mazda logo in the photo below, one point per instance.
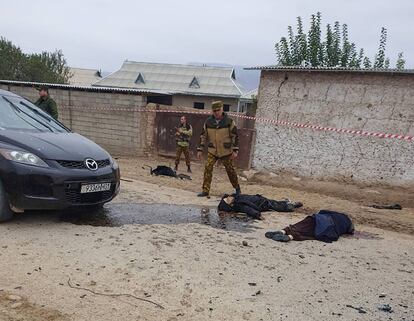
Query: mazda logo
(91, 164)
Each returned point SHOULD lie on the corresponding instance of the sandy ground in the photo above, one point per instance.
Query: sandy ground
(53, 270)
(315, 195)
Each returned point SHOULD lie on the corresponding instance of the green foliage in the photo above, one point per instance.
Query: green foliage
(367, 63)
(334, 50)
(44, 67)
(253, 107)
(380, 56)
(400, 65)
(315, 53)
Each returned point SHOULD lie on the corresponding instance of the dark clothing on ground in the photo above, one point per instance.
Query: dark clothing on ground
(326, 226)
(253, 205)
(48, 105)
(330, 225)
(303, 230)
(162, 170)
(227, 161)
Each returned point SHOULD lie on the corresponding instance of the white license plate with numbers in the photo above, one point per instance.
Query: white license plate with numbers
(92, 188)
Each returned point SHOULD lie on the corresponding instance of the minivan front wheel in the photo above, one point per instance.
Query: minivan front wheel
(5, 212)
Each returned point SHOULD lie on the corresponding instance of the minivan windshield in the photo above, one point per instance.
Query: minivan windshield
(17, 113)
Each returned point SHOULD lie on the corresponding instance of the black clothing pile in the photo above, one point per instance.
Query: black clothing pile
(326, 226)
(162, 170)
(253, 205)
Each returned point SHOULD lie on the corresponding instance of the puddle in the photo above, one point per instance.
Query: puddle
(119, 214)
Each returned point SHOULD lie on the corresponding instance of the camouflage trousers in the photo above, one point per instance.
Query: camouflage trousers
(182, 150)
(227, 161)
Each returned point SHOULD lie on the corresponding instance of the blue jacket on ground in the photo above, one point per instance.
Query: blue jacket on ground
(329, 225)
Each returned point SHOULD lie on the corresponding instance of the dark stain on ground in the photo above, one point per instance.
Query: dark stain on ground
(119, 214)
(364, 235)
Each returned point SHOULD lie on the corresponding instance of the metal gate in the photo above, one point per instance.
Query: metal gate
(165, 124)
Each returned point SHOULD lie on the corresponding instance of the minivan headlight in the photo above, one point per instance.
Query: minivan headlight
(22, 157)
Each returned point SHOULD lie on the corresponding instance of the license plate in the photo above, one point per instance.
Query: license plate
(92, 188)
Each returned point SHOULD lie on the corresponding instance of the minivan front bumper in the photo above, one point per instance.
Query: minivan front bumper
(56, 187)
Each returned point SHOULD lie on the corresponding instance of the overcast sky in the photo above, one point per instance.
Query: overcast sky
(102, 34)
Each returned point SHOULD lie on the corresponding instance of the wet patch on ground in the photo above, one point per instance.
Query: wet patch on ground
(364, 235)
(119, 214)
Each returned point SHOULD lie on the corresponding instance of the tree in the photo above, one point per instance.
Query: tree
(253, 107)
(44, 67)
(380, 56)
(335, 50)
(400, 65)
(11, 60)
(315, 49)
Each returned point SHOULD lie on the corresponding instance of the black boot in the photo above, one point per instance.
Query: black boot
(202, 194)
(189, 169)
(238, 191)
(176, 167)
(277, 236)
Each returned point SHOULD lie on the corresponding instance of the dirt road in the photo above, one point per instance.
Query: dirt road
(351, 199)
(53, 269)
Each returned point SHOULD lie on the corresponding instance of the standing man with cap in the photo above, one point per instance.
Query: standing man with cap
(220, 135)
(182, 136)
(46, 103)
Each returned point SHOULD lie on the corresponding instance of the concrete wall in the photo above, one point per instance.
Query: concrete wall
(119, 132)
(371, 102)
(188, 101)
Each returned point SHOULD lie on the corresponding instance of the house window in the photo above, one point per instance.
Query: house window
(194, 83)
(226, 107)
(140, 79)
(199, 105)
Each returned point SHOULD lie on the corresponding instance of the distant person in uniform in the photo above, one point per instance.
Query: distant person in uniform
(46, 103)
(220, 136)
(182, 136)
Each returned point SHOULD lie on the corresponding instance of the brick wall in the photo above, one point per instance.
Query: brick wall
(119, 132)
(371, 102)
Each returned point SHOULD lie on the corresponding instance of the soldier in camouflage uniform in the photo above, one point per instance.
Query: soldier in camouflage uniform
(182, 136)
(46, 103)
(220, 135)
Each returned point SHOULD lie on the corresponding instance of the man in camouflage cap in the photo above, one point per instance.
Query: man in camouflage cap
(220, 135)
(46, 103)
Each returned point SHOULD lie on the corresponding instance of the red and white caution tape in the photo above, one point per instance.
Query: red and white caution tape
(258, 119)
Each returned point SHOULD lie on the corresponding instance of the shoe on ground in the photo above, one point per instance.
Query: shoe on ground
(293, 205)
(280, 237)
(238, 191)
(189, 169)
(270, 235)
(297, 204)
(202, 194)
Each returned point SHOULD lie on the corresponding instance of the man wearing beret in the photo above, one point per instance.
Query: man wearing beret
(46, 103)
(220, 135)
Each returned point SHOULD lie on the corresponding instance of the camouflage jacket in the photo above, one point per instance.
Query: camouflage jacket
(183, 135)
(220, 136)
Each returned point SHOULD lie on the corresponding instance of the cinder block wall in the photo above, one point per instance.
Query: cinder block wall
(123, 133)
(370, 102)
